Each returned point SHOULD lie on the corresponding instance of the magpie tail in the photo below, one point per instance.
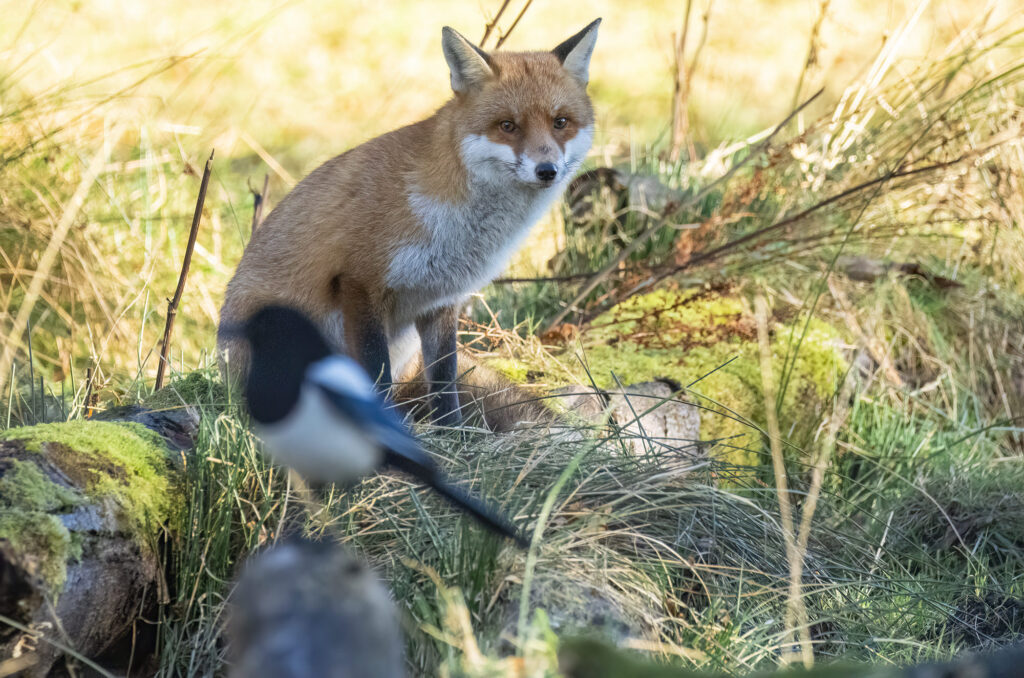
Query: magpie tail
(486, 515)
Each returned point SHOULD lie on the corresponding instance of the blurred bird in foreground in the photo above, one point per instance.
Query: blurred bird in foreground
(318, 413)
(311, 610)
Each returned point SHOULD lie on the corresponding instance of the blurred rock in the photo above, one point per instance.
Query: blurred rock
(653, 420)
(650, 417)
(307, 609)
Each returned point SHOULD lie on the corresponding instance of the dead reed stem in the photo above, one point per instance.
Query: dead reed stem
(812, 49)
(796, 612)
(840, 413)
(680, 88)
(172, 304)
(682, 80)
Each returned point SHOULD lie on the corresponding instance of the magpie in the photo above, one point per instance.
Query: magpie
(319, 413)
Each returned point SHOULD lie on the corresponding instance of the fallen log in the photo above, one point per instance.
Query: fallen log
(83, 507)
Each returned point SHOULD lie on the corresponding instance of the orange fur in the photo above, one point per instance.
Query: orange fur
(327, 248)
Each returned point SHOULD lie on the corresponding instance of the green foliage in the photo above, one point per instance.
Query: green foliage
(921, 505)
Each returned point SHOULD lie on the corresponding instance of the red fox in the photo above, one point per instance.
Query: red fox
(385, 241)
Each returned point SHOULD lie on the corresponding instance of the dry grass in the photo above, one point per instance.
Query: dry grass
(236, 81)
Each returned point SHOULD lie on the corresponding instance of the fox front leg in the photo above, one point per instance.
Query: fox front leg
(374, 355)
(437, 337)
(366, 341)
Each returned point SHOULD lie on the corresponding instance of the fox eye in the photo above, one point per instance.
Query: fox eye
(561, 121)
(507, 126)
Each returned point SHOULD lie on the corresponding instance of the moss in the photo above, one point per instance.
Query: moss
(45, 543)
(710, 338)
(28, 500)
(24, 486)
(515, 371)
(123, 462)
(196, 388)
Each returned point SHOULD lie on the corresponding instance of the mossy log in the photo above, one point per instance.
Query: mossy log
(83, 506)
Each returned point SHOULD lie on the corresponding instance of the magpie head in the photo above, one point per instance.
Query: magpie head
(284, 342)
(275, 330)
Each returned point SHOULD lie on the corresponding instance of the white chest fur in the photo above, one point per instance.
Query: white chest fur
(470, 242)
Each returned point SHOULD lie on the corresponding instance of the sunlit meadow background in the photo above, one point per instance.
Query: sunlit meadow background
(278, 88)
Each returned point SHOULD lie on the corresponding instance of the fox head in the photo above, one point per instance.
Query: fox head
(523, 117)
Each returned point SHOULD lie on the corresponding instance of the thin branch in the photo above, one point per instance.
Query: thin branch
(710, 255)
(680, 88)
(504, 36)
(494, 22)
(816, 240)
(89, 375)
(172, 304)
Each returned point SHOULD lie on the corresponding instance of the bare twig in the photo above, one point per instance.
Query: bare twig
(812, 49)
(258, 201)
(683, 78)
(657, 274)
(494, 22)
(659, 224)
(172, 304)
(732, 245)
(680, 88)
(504, 35)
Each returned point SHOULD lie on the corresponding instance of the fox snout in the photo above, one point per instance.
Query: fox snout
(546, 172)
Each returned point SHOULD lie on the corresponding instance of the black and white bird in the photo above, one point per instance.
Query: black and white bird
(318, 413)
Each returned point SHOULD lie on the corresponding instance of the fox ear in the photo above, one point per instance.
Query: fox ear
(470, 65)
(575, 52)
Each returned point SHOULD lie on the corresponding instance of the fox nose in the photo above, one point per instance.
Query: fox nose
(546, 171)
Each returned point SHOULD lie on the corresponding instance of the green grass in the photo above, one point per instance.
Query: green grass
(683, 562)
